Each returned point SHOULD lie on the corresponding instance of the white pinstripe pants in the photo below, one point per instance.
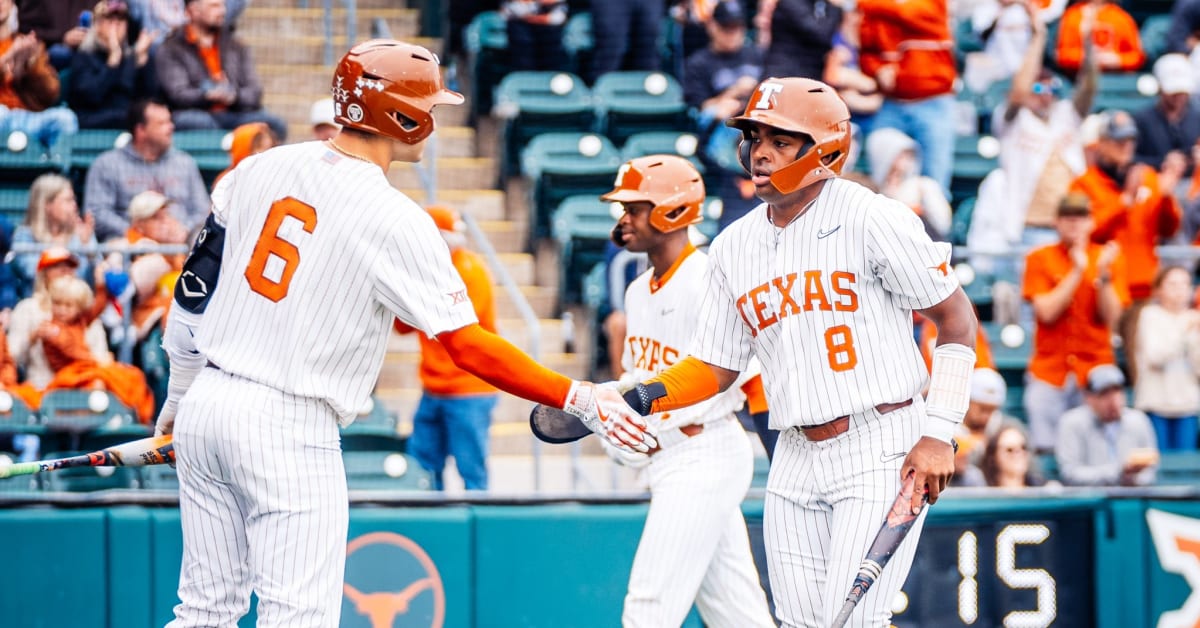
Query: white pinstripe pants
(825, 502)
(694, 546)
(263, 500)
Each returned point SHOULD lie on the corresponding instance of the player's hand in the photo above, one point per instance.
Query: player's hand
(932, 462)
(632, 459)
(603, 411)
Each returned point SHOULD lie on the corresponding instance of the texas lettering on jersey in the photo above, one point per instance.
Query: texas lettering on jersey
(803, 291)
(650, 354)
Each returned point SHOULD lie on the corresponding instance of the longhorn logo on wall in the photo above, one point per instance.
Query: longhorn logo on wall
(1177, 542)
(391, 583)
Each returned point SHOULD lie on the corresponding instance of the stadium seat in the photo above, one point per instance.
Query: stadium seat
(87, 144)
(969, 168)
(633, 102)
(67, 415)
(14, 202)
(109, 435)
(22, 167)
(1153, 34)
(1010, 361)
(578, 42)
(532, 103)
(1119, 90)
(581, 225)
(87, 479)
(962, 221)
(486, 43)
(565, 164)
(373, 431)
(595, 287)
(679, 143)
(207, 147)
(1179, 468)
(385, 471)
(19, 419)
(151, 358)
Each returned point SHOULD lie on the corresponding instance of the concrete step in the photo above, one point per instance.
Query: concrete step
(482, 205)
(310, 49)
(544, 302)
(288, 22)
(452, 173)
(519, 267)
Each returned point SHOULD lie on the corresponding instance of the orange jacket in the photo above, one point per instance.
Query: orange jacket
(1079, 339)
(36, 90)
(1114, 31)
(914, 36)
(928, 340)
(1137, 227)
(439, 374)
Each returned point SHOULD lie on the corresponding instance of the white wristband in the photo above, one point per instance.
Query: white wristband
(949, 390)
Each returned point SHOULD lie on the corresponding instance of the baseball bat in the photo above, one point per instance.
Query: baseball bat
(145, 451)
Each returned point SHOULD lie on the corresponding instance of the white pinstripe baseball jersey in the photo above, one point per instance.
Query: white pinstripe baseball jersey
(310, 230)
(661, 319)
(825, 303)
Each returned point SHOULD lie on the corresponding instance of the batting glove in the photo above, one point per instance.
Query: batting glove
(602, 410)
(631, 459)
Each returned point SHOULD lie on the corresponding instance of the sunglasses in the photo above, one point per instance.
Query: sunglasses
(1052, 86)
(1015, 450)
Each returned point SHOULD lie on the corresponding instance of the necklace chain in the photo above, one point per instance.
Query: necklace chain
(334, 145)
(804, 210)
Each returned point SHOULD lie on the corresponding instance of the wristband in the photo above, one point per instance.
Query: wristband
(949, 390)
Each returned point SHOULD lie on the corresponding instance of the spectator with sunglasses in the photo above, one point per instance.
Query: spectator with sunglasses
(1007, 462)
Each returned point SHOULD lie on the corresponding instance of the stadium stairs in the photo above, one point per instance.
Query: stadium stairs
(288, 45)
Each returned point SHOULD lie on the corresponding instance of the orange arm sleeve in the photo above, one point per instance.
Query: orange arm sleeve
(756, 397)
(497, 362)
(689, 381)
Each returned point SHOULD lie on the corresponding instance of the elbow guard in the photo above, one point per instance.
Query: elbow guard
(202, 268)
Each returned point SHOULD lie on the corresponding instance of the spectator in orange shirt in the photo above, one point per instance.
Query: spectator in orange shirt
(1112, 31)
(455, 411)
(1077, 289)
(907, 48)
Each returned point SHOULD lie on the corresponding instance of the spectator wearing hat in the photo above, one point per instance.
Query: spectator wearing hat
(249, 139)
(147, 162)
(535, 30)
(1169, 129)
(1041, 152)
(30, 313)
(320, 115)
(455, 411)
(1167, 387)
(1104, 442)
(1077, 289)
(208, 76)
(52, 219)
(29, 86)
(801, 36)
(1134, 206)
(108, 74)
(152, 275)
(1106, 26)
(982, 420)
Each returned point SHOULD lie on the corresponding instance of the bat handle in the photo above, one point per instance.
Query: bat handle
(844, 615)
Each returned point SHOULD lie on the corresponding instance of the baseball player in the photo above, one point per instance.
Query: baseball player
(694, 545)
(278, 333)
(819, 282)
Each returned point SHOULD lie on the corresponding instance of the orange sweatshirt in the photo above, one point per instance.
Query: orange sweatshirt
(1114, 31)
(914, 36)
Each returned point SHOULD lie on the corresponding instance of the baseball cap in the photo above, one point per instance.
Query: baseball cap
(987, 386)
(321, 113)
(1174, 74)
(1118, 125)
(111, 8)
(1075, 204)
(146, 204)
(56, 255)
(729, 13)
(1105, 377)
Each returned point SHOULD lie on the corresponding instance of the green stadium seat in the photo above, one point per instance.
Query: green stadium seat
(962, 221)
(1153, 34)
(532, 103)
(679, 143)
(14, 202)
(385, 471)
(595, 287)
(20, 419)
(22, 167)
(486, 43)
(67, 416)
(88, 479)
(159, 477)
(87, 144)
(1010, 361)
(109, 435)
(1047, 464)
(969, 168)
(374, 431)
(581, 225)
(1119, 90)
(153, 361)
(633, 102)
(207, 147)
(558, 168)
(1179, 468)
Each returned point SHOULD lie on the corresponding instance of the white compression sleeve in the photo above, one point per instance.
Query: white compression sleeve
(180, 347)
(949, 390)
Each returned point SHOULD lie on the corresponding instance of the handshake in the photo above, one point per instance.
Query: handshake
(616, 412)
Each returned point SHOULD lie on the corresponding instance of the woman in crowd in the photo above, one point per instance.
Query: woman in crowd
(1167, 387)
(107, 73)
(1007, 462)
(52, 218)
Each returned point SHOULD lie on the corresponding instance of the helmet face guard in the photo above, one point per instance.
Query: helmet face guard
(670, 183)
(390, 88)
(802, 107)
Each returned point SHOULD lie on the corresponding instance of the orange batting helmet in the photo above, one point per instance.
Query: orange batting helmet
(668, 182)
(808, 107)
(389, 88)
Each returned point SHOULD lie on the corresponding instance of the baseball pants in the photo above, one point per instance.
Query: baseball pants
(264, 506)
(694, 547)
(825, 502)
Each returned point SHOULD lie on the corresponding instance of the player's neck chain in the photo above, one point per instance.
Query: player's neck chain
(334, 146)
(779, 229)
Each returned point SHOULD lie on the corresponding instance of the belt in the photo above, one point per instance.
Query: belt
(841, 425)
(688, 431)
